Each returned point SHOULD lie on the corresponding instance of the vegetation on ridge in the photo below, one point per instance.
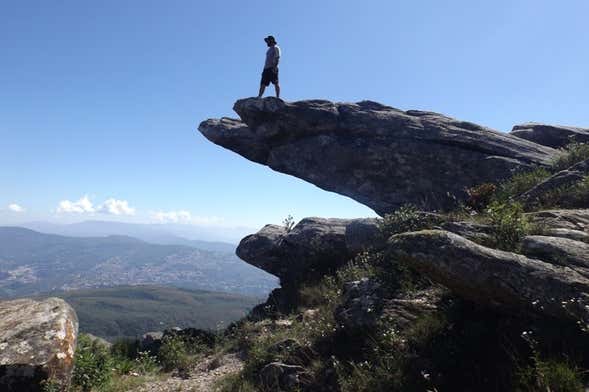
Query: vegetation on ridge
(453, 344)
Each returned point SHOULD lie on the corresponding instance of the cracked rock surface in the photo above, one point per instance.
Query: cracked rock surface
(378, 155)
(37, 342)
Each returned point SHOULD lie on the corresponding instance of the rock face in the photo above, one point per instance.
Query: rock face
(555, 136)
(496, 278)
(378, 155)
(37, 342)
(313, 248)
(477, 232)
(560, 251)
(403, 312)
(576, 235)
(577, 219)
(361, 305)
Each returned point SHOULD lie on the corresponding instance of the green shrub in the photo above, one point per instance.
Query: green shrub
(425, 328)
(173, 353)
(549, 375)
(574, 196)
(560, 376)
(578, 194)
(51, 385)
(328, 290)
(480, 196)
(406, 218)
(123, 366)
(387, 365)
(509, 224)
(520, 183)
(145, 363)
(125, 348)
(92, 364)
(573, 154)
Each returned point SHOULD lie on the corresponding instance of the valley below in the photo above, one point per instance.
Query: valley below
(32, 263)
(130, 311)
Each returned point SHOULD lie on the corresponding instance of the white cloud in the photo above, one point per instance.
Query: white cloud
(15, 208)
(84, 205)
(183, 216)
(116, 207)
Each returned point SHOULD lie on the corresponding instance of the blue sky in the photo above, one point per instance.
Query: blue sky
(100, 101)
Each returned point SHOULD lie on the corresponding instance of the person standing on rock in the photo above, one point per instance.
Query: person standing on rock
(270, 73)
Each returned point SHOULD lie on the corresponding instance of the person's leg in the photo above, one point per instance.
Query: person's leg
(262, 88)
(277, 88)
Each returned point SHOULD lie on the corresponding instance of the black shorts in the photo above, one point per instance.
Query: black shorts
(270, 75)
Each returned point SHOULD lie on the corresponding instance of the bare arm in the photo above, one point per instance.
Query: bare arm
(276, 57)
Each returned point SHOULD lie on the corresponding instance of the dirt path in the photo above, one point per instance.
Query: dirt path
(201, 379)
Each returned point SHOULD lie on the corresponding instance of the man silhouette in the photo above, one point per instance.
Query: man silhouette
(270, 73)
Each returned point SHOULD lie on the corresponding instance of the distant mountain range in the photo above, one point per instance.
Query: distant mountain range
(130, 311)
(32, 262)
(204, 237)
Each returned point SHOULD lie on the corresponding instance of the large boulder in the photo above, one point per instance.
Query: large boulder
(313, 248)
(378, 155)
(502, 280)
(37, 343)
(555, 136)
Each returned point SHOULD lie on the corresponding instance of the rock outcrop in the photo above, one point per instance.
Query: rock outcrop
(361, 306)
(555, 136)
(313, 248)
(476, 232)
(37, 343)
(378, 155)
(495, 278)
(577, 219)
(560, 251)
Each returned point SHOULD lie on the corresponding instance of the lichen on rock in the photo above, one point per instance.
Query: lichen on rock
(37, 342)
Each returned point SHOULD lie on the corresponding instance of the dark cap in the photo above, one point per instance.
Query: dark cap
(270, 38)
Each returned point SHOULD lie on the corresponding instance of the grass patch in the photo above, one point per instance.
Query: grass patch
(555, 375)
(235, 383)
